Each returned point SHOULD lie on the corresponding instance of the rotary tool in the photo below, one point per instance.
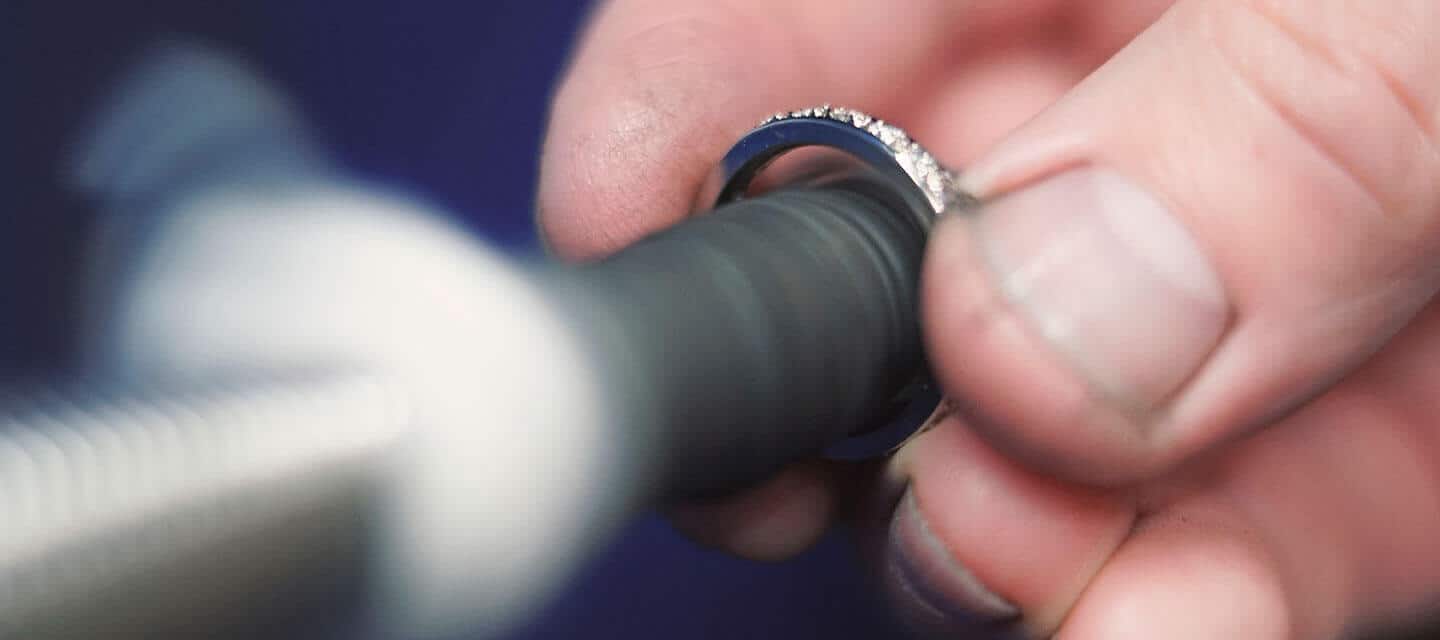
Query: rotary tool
(294, 376)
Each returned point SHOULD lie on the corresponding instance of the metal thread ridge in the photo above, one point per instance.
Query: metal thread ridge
(99, 485)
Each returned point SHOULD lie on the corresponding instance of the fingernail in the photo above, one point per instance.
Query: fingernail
(935, 593)
(1106, 274)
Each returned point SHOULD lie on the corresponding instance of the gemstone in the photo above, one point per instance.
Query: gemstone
(935, 182)
(887, 133)
(926, 162)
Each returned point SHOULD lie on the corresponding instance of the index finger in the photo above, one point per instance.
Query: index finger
(660, 89)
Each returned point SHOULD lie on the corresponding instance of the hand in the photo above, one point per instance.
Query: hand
(1191, 335)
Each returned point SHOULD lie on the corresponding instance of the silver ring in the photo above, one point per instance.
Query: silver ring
(880, 145)
(930, 188)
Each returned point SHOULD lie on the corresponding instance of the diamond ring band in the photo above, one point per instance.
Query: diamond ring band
(881, 146)
(928, 189)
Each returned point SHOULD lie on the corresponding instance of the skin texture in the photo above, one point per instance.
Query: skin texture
(1265, 464)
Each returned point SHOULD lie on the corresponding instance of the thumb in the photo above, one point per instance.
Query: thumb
(1228, 216)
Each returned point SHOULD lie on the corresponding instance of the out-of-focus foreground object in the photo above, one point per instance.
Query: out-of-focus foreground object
(236, 259)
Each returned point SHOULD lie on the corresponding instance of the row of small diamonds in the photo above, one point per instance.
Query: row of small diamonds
(893, 136)
(936, 180)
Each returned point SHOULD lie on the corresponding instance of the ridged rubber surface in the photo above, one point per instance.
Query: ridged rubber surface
(759, 333)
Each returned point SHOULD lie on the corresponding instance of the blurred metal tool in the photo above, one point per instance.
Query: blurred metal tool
(294, 378)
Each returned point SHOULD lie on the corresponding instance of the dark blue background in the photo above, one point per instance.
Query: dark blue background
(446, 99)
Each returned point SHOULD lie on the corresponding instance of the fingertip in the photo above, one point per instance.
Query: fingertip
(609, 176)
(772, 522)
(1029, 539)
(1185, 577)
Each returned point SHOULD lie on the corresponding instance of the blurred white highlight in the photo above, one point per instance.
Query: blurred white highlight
(233, 248)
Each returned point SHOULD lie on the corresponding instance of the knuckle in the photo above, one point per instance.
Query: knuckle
(1354, 84)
